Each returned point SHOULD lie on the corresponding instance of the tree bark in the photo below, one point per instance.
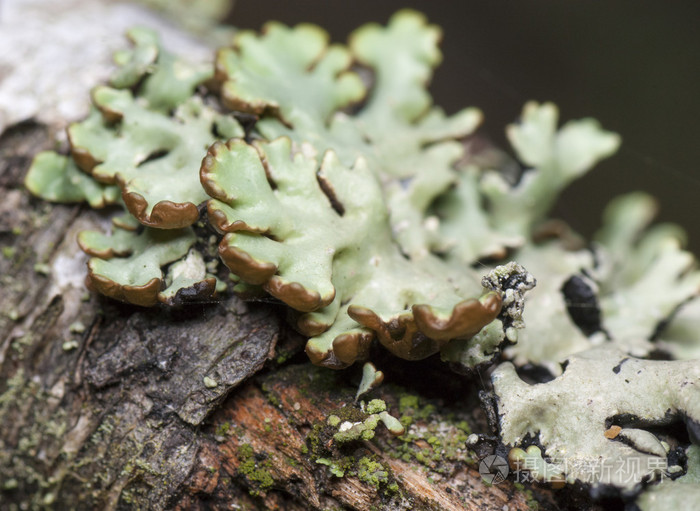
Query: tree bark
(105, 406)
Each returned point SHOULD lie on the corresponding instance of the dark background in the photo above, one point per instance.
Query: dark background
(633, 65)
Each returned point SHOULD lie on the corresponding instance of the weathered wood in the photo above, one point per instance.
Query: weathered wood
(98, 400)
(104, 406)
(270, 434)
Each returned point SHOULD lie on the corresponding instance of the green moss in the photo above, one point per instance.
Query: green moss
(406, 420)
(444, 434)
(222, 429)
(371, 472)
(257, 473)
(375, 406)
(410, 406)
(245, 451)
(532, 503)
(334, 467)
(407, 402)
(271, 396)
(283, 356)
(464, 426)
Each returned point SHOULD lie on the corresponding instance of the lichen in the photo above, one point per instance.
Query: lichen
(346, 273)
(358, 203)
(371, 378)
(677, 493)
(571, 415)
(144, 137)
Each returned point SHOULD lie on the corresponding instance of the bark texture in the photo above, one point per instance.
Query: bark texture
(106, 406)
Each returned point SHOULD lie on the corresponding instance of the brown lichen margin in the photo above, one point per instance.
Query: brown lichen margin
(421, 333)
(467, 318)
(107, 253)
(308, 325)
(221, 223)
(109, 115)
(297, 296)
(209, 161)
(164, 215)
(399, 334)
(231, 100)
(84, 158)
(347, 349)
(218, 218)
(145, 295)
(240, 262)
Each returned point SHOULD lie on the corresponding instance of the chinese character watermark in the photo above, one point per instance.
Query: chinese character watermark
(495, 469)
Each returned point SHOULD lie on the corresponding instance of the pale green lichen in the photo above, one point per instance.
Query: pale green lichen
(640, 278)
(304, 83)
(371, 378)
(58, 179)
(571, 415)
(142, 145)
(345, 271)
(154, 157)
(644, 274)
(680, 336)
(162, 80)
(678, 493)
(358, 203)
(136, 276)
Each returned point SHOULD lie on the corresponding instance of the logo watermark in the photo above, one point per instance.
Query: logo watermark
(493, 469)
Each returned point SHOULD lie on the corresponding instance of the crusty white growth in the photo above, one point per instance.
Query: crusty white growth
(513, 281)
(551, 335)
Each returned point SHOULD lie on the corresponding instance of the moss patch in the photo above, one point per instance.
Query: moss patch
(255, 471)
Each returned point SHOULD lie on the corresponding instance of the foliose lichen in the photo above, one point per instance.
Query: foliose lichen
(324, 210)
(595, 421)
(368, 211)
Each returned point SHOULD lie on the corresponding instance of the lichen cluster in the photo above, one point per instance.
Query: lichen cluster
(338, 188)
(325, 200)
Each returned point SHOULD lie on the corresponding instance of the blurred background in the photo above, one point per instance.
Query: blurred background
(633, 65)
